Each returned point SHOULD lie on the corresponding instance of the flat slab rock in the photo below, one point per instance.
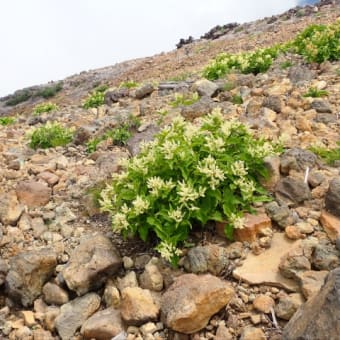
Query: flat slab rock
(264, 268)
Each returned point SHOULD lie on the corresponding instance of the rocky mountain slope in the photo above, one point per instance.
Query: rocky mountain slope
(65, 275)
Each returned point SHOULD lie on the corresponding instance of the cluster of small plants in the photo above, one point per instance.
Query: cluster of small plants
(50, 135)
(189, 174)
(251, 62)
(329, 155)
(7, 121)
(129, 84)
(184, 99)
(50, 91)
(318, 43)
(94, 100)
(286, 64)
(25, 94)
(19, 97)
(237, 99)
(102, 88)
(119, 135)
(314, 92)
(44, 108)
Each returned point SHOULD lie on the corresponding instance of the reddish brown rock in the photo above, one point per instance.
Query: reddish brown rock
(254, 225)
(50, 178)
(190, 302)
(312, 281)
(293, 233)
(331, 224)
(33, 194)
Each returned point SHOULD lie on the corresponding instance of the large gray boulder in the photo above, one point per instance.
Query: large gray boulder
(319, 317)
(91, 263)
(28, 273)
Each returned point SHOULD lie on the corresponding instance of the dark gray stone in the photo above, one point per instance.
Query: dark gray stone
(299, 74)
(73, 314)
(297, 159)
(321, 106)
(325, 257)
(144, 91)
(210, 258)
(91, 263)
(202, 107)
(319, 317)
(292, 190)
(332, 199)
(279, 214)
(326, 118)
(28, 273)
(145, 136)
(112, 97)
(274, 103)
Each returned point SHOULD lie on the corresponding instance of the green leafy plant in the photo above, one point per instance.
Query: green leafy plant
(228, 86)
(184, 99)
(44, 107)
(237, 99)
(286, 64)
(119, 135)
(50, 135)
(329, 155)
(7, 121)
(188, 175)
(318, 43)
(315, 93)
(101, 88)
(95, 99)
(129, 84)
(19, 97)
(252, 62)
(50, 91)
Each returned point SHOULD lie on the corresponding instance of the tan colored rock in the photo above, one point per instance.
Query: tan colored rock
(263, 303)
(33, 194)
(54, 295)
(190, 302)
(151, 278)
(222, 333)
(252, 333)
(10, 209)
(111, 295)
(293, 233)
(138, 306)
(50, 316)
(264, 268)
(28, 318)
(331, 224)
(40, 334)
(50, 178)
(312, 281)
(254, 226)
(103, 325)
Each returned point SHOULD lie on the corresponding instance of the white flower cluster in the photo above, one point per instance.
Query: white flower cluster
(177, 215)
(239, 169)
(140, 205)
(247, 187)
(168, 149)
(187, 192)
(167, 250)
(237, 221)
(261, 151)
(119, 222)
(156, 184)
(209, 168)
(215, 144)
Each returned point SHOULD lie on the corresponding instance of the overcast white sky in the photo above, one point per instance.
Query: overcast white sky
(43, 40)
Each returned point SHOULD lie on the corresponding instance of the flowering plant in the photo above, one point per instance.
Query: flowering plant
(252, 62)
(188, 174)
